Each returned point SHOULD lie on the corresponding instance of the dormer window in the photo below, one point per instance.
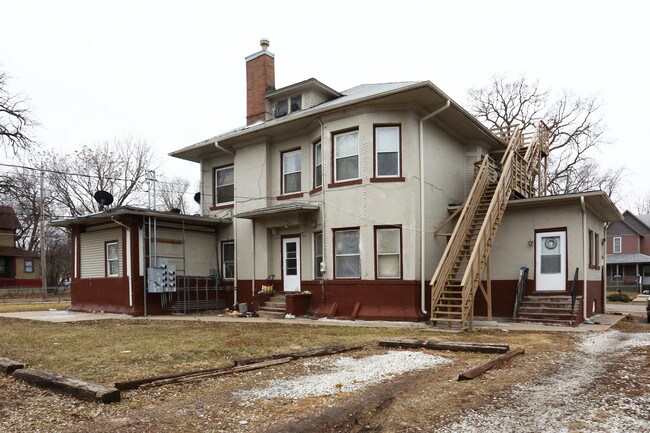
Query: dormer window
(288, 105)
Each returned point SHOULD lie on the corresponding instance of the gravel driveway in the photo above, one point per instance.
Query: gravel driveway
(602, 386)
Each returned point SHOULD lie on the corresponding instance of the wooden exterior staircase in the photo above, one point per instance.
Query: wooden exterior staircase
(459, 273)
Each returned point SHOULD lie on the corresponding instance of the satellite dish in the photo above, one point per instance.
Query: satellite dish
(104, 198)
(197, 197)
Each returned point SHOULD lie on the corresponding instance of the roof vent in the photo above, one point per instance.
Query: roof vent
(264, 43)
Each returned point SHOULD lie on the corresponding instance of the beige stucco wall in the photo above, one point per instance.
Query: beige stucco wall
(512, 248)
(20, 268)
(200, 250)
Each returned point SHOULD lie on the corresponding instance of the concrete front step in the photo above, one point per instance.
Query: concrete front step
(545, 321)
(270, 314)
(276, 304)
(546, 310)
(272, 309)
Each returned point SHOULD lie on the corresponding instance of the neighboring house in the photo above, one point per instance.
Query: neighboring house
(119, 252)
(628, 252)
(18, 267)
(339, 193)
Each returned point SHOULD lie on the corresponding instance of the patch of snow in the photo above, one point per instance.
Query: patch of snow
(345, 375)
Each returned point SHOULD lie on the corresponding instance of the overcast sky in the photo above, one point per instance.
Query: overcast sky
(173, 73)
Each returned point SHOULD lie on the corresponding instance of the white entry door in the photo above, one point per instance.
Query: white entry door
(291, 264)
(550, 261)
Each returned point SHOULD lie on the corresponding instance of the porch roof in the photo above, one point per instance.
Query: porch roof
(620, 259)
(278, 209)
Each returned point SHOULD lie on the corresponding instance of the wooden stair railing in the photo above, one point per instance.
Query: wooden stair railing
(458, 274)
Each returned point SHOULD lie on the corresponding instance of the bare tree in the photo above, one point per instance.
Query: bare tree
(118, 167)
(15, 119)
(641, 205)
(575, 123)
(174, 194)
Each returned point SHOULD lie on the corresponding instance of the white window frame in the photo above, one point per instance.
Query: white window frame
(318, 153)
(216, 185)
(398, 253)
(399, 152)
(31, 266)
(285, 173)
(337, 268)
(223, 260)
(336, 157)
(109, 259)
(317, 272)
(620, 244)
(288, 101)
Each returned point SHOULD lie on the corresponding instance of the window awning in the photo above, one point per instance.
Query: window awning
(284, 208)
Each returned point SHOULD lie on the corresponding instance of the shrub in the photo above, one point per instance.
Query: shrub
(619, 297)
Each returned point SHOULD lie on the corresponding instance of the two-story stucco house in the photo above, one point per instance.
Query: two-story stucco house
(342, 194)
(628, 252)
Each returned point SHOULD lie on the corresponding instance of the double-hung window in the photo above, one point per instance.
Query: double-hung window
(112, 259)
(346, 156)
(616, 245)
(29, 266)
(318, 165)
(291, 172)
(318, 254)
(387, 151)
(388, 249)
(347, 253)
(228, 260)
(224, 180)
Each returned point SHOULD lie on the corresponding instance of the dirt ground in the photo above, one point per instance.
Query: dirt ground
(564, 382)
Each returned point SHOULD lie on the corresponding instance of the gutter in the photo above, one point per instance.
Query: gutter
(585, 251)
(128, 258)
(422, 223)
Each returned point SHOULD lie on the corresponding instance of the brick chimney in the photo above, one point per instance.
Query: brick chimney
(260, 77)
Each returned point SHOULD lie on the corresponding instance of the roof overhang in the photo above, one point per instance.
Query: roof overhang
(311, 83)
(424, 95)
(597, 201)
(619, 259)
(280, 209)
(134, 212)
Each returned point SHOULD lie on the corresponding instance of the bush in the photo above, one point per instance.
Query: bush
(619, 297)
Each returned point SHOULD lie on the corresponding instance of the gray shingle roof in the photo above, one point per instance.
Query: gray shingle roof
(619, 259)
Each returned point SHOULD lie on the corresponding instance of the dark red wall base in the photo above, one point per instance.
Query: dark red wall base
(21, 282)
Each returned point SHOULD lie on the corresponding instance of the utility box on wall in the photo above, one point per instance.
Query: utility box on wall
(161, 279)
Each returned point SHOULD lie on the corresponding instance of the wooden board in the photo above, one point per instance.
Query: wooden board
(67, 385)
(319, 351)
(446, 345)
(477, 371)
(7, 366)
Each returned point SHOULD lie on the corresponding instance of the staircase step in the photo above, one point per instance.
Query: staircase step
(272, 309)
(281, 304)
(546, 321)
(270, 314)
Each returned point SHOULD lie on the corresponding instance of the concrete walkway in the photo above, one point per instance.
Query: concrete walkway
(600, 322)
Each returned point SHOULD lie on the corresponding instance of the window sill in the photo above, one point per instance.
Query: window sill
(223, 206)
(289, 196)
(387, 179)
(345, 183)
(316, 190)
(595, 267)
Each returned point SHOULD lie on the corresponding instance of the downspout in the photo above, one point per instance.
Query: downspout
(585, 251)
(323, 214)
(128, 257)
(603, 251)
(422, 224)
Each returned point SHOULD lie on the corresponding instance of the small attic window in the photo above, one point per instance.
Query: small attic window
(289, 105)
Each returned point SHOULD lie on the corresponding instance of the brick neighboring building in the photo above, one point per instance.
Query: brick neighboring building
(18, 267)
(628, 252)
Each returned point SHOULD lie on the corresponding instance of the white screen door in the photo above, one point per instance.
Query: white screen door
(291, 264)
(550, 261)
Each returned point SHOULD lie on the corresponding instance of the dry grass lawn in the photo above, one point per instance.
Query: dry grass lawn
(42, 306)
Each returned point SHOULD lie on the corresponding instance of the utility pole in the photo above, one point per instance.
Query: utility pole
(42, 223)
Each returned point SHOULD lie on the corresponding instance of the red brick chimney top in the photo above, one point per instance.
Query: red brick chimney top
(260, 79)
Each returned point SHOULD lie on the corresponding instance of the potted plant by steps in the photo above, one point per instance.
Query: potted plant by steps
(298, 303)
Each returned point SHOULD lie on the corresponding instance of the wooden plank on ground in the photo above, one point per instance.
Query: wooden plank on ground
(477, 371)
(231, 370)
(319, 351)
(136, 383)
(7, 366)
(446, 345)
(67, 385)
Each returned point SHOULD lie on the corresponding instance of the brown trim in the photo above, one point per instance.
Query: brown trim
(333, 135)
(340, 229)
(566, 259)
(214, 187)
(222, 206)
(25, 266)
(169, 241)
(106, 258)
(345, 183)
(299, 256)
(78, 256)
(387, 179)
(282, 152)
(316, 190)
(594, 267)
(288, 196)
(374, 154)
(222, 271)
(313, 165)
(401, 254)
